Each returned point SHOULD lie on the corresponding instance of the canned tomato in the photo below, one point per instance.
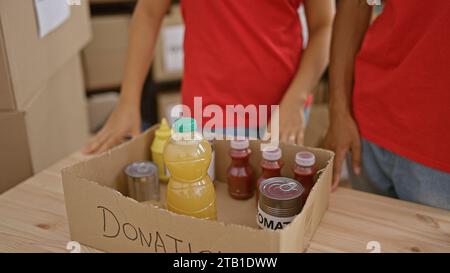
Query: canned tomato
(143, 182)
(280, 200)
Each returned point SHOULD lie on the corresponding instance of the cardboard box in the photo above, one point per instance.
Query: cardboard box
(95, 189)
(53, 125)
(104, 57)
(28, 61)
(168, 62)
(166, 101)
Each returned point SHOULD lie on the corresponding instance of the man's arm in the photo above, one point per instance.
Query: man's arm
(351, 23)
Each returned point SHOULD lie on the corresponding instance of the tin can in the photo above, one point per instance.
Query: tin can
(143, 182)
(280, 200)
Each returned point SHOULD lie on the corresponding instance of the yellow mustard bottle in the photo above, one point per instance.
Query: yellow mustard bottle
(187, 155)
(162, 135)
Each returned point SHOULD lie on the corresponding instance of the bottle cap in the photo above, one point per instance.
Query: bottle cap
(164, 129)
(240, 144)
(272, 153)
(305, 159)
(184, 125)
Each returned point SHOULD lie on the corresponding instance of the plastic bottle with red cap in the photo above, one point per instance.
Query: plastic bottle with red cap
(305, 171)
(271, 165)
(240, 173)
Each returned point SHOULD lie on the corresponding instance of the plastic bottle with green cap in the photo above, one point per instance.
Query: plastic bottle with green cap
(162, 135)
(187, 155)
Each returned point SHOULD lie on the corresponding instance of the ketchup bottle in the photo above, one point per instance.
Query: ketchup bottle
(271, 165)
(240, 173)
(305, 171)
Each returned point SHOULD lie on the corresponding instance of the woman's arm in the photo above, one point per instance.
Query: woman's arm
(144, 30)
(351, 23)
(319, 15)
(125, 120)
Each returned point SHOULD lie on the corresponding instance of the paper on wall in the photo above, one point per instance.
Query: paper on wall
(173, 54)
(50, 15)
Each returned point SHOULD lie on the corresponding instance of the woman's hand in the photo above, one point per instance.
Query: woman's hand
(314, 60)
(125, 121)
(292, 120)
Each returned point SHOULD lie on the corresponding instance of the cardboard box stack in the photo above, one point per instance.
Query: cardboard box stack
(168, 62)
(104, 57)
(42, 106)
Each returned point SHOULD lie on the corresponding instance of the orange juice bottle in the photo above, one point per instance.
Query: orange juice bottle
(187, 156)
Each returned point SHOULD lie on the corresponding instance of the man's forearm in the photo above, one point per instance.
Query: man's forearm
(144, 29)
(351, 23)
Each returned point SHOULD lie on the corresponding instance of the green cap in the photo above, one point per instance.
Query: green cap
(184, 125)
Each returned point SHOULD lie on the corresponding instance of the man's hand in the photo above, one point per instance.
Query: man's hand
(343, 136)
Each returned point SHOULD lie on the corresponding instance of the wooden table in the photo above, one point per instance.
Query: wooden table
(33, 219)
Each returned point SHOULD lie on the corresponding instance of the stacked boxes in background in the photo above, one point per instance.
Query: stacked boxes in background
(43, 114)
(105, 56)
(168, 63)
(169, 55)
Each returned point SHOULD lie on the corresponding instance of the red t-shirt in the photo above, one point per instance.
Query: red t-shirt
(240, 51)
(401, 95)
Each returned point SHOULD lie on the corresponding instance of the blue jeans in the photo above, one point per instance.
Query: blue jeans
(389, 174)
